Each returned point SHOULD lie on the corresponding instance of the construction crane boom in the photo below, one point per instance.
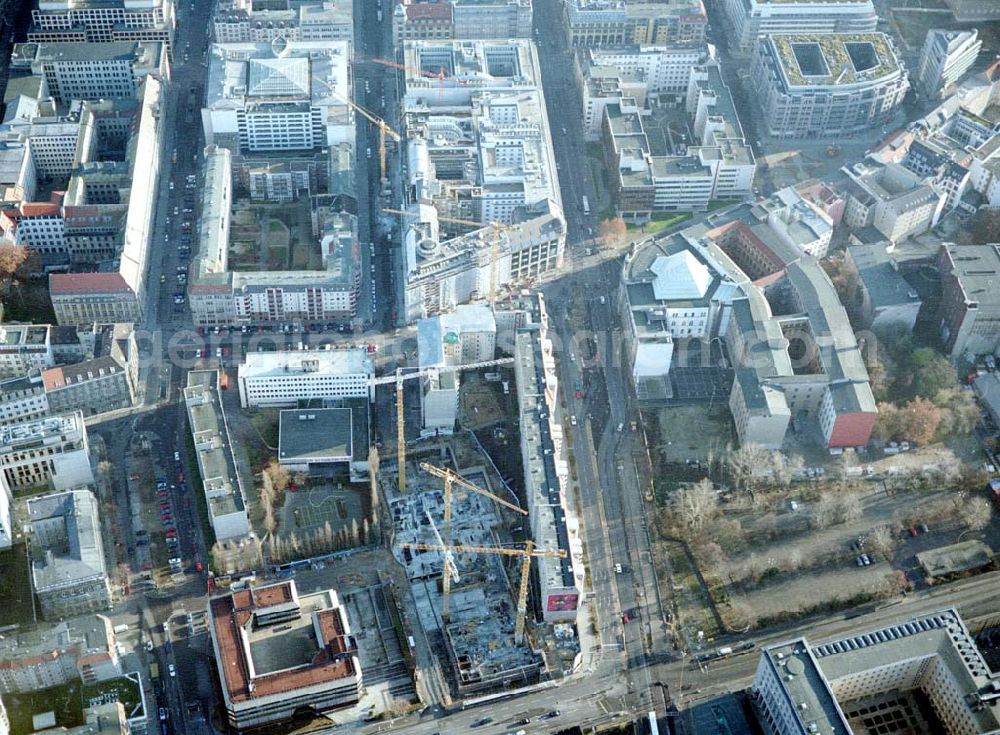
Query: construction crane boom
(528, 553)
(398, 379)
(449, 476)
(495, 227)
(382, 125)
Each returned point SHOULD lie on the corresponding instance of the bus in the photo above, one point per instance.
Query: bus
(586, 206)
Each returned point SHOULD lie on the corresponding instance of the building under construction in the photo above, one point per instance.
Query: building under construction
(478, 628)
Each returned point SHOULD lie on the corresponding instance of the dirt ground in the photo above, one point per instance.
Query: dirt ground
(694, 432)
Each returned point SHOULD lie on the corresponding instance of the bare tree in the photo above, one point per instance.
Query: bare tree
(824, 511)
(976, 514)
(12, 258)
(328, 536)
(792, 562)
(710, 556)
(745, 463)
(695, 505)
(279, 476)
(883, 540)
(355, 533)
(849, 506)
(896, 583)
(612, 232)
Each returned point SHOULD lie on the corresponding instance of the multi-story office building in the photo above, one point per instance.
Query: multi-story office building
(622, 22)
(661, 69)
(826, 85)
(239, 21)
(94, 71)
(546, 474)
(119, 295)
(221, 483)
(463, 336)
(891, 198)
(944, 59)
(287, 377)
(791, 345)
(51, 450)
(749, 19)
(23, 348)
(969, 311)
(974, 11)
(279, 96)
(797, 221)
(718, 165)
(68, 569)
(82, 648)
(888, 301)
(925, 674)
(427, 20)
(103, 21)
(279, 654)
(478, 149)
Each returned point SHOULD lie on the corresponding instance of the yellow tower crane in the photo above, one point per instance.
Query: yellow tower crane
(453, 478)
(399, 379)
(495, 227)
(382, 125)
(527, 554)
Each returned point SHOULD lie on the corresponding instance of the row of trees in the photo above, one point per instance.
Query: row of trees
(321, 541)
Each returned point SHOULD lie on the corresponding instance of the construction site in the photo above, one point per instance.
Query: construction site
(465, 601)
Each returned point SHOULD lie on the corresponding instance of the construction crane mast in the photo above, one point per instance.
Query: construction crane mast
(382, 125)
(495, 227)
(453, 478)
(398, 379)
(528, 553)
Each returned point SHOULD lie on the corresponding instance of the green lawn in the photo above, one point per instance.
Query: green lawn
(661, 222)
(15, 587)
(65, 701)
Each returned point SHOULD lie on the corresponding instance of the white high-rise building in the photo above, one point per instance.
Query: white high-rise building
(285, 378)
(278, 96)
(464, 336)
(749, 19)
(945, 58)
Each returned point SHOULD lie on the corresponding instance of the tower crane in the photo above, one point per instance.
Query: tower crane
(453, 478)
(527, 554)
(399, 379)
(496, 228)
(382, 125)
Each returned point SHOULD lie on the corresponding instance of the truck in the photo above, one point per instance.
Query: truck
(154, 671)
(586, 205)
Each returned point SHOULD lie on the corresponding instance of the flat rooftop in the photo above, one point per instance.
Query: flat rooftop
(262, 365)
(332, 434)
(304, 647)
(833, 59)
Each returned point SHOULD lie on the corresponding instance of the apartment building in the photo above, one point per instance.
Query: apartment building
(51, 450)
(76, 21)
(69, 573)
(119, 295)
(622, 22)
(221, 484)
(278, 96)
(460, 337)
(546, 473)
(749, 19)
(892, 199)
(82, 648)
(94, 71)
(478, 149)
(969, 311)
(266, 680)
(812, 85)
(57, 143)
(219, 296)
(287, 377)
(22, 398)
(107, 381)
(23, 348)
(240, 21)
(944, 60)
(423, 20)
(926, 671)
(663, 69)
